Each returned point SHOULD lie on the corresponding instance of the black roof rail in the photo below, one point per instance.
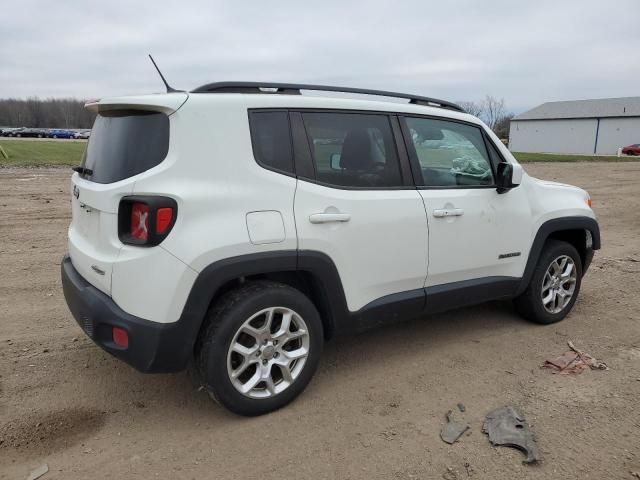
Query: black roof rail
(294, 89)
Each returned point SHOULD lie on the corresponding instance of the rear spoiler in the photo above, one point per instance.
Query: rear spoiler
(167, 103)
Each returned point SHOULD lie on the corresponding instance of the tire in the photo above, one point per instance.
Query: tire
(531, 304)
(247, 309)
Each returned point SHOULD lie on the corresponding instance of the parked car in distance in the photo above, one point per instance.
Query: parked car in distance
(294, 218)
(632, 149)
(30, 132)
(60, 133)
(82, 135)
(10, 132)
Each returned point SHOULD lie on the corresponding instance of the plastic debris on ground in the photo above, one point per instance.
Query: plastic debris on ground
(507, 427)
(452, 431)
(38, 472)
(574, 361)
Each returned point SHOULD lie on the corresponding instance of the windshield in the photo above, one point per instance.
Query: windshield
(124, 143)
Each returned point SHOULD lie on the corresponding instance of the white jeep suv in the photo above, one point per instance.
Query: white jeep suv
(237, 227)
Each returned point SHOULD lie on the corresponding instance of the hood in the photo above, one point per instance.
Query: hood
(549, 183)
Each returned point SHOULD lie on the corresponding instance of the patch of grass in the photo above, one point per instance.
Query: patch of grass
(36, 153)
(525, 157)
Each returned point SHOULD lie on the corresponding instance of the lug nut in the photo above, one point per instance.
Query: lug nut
(264, 362)
(276, 355)
(275, 342)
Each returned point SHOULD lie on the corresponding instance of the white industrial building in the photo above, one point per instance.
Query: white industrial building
(599, 126)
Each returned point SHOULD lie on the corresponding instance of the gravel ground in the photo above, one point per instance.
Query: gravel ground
(378, 401)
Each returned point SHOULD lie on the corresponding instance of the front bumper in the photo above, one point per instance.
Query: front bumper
(153, 347)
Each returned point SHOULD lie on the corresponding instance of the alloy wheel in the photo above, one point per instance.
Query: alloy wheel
(268, 352)
(559, 284)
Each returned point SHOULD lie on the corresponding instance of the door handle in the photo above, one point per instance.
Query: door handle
(448, 212)
(329, 217)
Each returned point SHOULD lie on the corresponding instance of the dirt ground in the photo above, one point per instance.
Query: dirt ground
(378, 401)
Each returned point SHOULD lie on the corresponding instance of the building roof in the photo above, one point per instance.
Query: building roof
(597, 108)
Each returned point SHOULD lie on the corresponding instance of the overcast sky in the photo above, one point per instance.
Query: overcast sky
(526, 52)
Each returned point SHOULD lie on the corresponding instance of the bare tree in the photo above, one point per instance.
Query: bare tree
(471, 107)
(49, 113)
(492, 111)
(502, 126)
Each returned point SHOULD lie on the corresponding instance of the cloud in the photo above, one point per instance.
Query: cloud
(526, 52)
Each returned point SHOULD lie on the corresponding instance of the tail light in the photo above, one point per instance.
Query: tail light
(140, 221)
(146, 220)
(120, 337)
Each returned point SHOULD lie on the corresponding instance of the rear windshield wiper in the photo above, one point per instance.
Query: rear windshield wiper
(82, 170)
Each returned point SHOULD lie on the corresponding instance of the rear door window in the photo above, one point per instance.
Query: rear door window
(125, 143)
(353, 150)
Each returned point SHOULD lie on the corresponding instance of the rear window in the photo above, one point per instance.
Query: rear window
(124, 143)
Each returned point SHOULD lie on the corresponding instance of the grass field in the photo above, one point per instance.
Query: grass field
(524, 157)
(38, 153)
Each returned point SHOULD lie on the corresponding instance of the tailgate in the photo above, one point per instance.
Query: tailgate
(93, 234)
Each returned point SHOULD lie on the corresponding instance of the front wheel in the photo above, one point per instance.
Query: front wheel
(261, 346)
(554, 286)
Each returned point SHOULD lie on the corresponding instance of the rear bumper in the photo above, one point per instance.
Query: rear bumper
(153, 347)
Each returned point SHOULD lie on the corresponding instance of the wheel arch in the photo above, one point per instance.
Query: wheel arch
(573, 230)
(311, 272)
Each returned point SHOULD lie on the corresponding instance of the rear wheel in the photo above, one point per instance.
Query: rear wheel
(260, 348)
(554, 286)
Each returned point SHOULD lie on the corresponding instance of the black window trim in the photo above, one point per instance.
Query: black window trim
(252, 134)
(415, 162)
(488, 145)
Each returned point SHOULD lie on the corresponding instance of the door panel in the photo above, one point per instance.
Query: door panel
(359, 206)
(376, 238)
(469, 245)
(474, 232)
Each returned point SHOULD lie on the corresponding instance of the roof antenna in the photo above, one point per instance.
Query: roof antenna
(170, 89)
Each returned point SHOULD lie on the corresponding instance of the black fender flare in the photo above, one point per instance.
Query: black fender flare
(552, 226)
(213, 277)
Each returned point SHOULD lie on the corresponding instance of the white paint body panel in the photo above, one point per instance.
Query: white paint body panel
(151, 283)
(381, 250)
(467, 246)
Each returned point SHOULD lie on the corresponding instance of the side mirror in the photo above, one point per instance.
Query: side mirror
(508, 176)
(335, 161)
